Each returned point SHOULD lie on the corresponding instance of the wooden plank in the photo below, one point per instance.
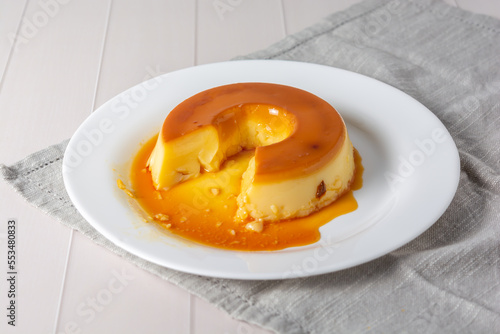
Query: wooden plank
(144, 39)
(10, 17)
(41, 257)
(49, 85)
(107, 294)
(47, 91)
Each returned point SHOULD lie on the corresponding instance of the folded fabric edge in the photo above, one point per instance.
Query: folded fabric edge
(17, 175)
(7, 172)
(34, 161)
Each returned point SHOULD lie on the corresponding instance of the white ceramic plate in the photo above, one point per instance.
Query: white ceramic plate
(411, 170)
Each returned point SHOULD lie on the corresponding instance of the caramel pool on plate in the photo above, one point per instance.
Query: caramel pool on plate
(203, 209)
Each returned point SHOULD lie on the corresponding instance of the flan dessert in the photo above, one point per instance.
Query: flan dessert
(303, 157)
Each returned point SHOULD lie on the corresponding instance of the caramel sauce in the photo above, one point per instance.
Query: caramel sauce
(318, 133)
(202, 209)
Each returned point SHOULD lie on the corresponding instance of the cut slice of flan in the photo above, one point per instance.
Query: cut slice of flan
(303, 156)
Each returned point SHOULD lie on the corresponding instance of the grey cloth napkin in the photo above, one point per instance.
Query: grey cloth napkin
(446, 280)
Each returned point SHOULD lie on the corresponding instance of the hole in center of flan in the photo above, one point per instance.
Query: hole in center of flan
(254, 125)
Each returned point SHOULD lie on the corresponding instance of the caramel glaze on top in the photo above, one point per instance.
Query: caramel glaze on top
(318, 135)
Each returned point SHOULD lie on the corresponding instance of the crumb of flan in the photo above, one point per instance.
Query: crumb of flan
(162, 217)
(122, 186)
(256, 226)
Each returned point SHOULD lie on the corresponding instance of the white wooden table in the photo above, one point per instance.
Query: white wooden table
(60, 60)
